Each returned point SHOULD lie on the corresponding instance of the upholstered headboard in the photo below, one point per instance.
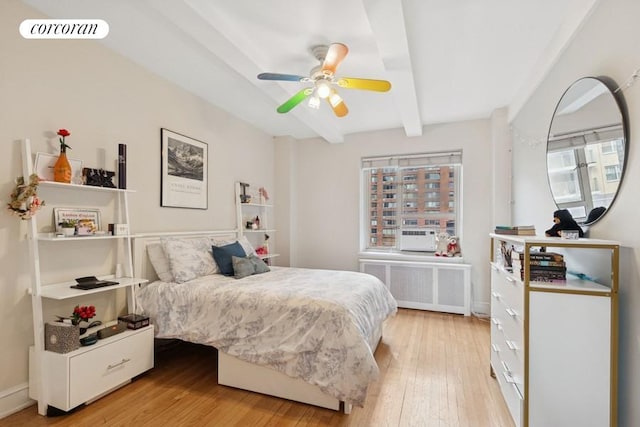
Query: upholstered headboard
(142, 267)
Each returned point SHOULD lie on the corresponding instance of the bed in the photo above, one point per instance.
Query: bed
(302, 334)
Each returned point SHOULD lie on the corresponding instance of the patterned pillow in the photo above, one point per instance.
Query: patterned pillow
(160, 262)
(223, 254)
(189, 258)
(244, 267)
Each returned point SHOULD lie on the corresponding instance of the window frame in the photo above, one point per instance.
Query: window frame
(397, 163)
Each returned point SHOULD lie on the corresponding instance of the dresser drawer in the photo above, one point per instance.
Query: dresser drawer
(94, 372)
(513, 398)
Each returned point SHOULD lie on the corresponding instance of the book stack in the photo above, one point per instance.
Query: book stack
(543, 266)
(519, 230)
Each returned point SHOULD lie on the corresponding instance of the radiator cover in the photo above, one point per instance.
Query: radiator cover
(435, 286)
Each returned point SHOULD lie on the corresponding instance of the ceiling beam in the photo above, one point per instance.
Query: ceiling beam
(386, 18)
(228, 45)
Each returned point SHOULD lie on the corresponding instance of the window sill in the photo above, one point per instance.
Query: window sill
(410, 256)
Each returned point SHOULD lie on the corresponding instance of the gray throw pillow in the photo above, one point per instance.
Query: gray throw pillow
(246, 266)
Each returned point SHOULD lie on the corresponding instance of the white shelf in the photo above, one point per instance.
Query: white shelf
(268, 256)
(260, 230)
(60, 291)
(50, 237)
(65, 380)
(553, 241)
(100, 343)
(258, 205)
(76, 187)
(571, 284)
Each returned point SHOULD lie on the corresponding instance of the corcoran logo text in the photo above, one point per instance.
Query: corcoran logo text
(64, 29)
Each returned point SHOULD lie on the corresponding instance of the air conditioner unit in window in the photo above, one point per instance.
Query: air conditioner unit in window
(418, 239)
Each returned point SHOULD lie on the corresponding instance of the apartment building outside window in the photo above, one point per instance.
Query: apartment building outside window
(419, 191)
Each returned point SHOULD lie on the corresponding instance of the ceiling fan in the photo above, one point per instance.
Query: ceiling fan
(324, 81)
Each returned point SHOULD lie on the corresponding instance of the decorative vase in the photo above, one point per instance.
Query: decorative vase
(62, 168)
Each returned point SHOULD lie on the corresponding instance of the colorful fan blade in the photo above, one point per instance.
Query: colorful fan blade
(335, 55)
(295, 100)
(365, 84)
(337, 104)
(276, 76)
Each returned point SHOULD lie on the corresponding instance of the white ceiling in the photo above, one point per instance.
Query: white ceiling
(447, 60)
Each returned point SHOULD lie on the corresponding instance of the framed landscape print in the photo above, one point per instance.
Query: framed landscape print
(184, 171)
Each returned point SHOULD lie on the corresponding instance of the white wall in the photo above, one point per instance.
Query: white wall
(607, 45)
(327, 202)
(103, 99)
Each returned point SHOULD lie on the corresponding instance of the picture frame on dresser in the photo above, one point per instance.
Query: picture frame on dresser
(184, 171)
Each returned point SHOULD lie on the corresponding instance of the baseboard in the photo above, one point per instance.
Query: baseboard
(14, 399)
(481, 308)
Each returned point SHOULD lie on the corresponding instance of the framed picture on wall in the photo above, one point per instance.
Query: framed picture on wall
(184, 171)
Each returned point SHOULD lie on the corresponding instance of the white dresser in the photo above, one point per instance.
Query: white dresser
(554, 346)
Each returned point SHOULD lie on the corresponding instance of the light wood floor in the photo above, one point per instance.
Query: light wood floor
(434, 371)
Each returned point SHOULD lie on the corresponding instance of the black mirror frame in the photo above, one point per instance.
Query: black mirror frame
(616, 93)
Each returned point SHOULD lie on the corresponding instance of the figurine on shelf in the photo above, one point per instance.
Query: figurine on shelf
(264, 196)
(256, 223)
(453, 247)
(563, 221)
(442, 241)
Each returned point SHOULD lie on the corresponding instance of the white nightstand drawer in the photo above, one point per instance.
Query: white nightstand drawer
(94, 372)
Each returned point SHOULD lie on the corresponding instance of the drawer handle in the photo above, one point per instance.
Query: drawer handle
(511, 279)
(508, 377)
(511, 345)
(511, 312)
(506, 367)
(122, 362)
(517, 390)
(495, 295)
(495, 348)
(494, 267)
(497, 323)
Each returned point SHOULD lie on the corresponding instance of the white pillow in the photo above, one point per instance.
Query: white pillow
(160, 262)
(189, 258)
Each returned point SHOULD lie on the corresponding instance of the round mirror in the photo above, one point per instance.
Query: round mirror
(586, 148)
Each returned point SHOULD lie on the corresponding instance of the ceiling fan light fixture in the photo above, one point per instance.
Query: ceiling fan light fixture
(323, 90)
(314, 102)
(334, 99)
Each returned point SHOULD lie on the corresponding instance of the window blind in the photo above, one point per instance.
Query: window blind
(413, 160)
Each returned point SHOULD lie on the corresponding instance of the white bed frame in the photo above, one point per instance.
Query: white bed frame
(232, 371)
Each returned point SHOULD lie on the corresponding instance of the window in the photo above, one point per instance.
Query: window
(612, 172)
(425, 190)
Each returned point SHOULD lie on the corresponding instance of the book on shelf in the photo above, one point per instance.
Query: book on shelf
(518, 230)
(544, 276)
(542, 256)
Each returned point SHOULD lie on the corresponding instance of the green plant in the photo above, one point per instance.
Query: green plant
(68, 223)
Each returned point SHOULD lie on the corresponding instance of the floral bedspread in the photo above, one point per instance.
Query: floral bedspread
(309, 324)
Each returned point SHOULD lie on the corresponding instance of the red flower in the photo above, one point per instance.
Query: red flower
(63, 134)
(82, 313)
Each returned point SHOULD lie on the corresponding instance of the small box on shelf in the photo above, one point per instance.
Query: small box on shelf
(134, 321)
(61, 337)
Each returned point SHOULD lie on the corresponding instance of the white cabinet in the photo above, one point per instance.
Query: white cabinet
(554, 344)
(254, 217)
(67, 380)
